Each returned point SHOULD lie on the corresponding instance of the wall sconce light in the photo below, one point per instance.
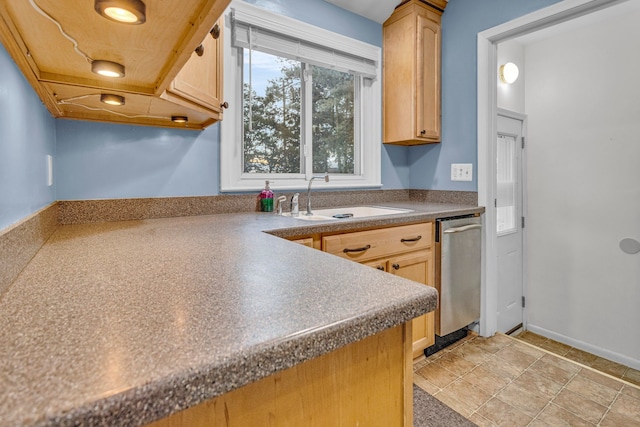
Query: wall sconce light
(112, 99)
(126, 11)
(107, 68)
(509, 73)
(179, 119)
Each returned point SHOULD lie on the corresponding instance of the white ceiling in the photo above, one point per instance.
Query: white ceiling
(376, 10)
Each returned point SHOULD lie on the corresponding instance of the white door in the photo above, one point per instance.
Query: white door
(509, 221)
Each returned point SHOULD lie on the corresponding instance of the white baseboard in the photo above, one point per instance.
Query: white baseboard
(598, 351)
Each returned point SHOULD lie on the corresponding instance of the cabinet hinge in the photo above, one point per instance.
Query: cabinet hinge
(523, 302)
(522, 222)
(523, 142)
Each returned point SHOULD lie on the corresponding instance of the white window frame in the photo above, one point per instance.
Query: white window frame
(232, 177)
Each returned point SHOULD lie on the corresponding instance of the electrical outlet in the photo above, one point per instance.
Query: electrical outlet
(461, 172)
(49, 170)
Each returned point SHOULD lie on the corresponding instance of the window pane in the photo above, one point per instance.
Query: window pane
(506, 197)
(271, 108)
(333, 121)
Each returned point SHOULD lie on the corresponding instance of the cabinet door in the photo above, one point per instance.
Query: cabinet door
(428, 73)
(200, 80)
(417, 266)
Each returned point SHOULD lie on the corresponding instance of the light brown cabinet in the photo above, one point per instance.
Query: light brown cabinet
(406, 251)
(411, 73)
(198, 85)
(153, 54)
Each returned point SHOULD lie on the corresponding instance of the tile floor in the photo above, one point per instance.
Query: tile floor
(598, 363)
(501, 381)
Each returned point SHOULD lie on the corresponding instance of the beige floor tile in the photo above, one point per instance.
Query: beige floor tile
(464, 391)
(503, 414)
(486, 380)
(613, 419)
(532, 338)
(529, 349)
(472, 353)
(539, 385)
(609, 367)
(537, 423)
(561, 363)
(556, 347)
(522, 399)
(581, 356)
(631, 391)
(494, 343)
(517, 358)
(436, 375)
(502, 369)
(627, 406)
(421, 382)
(481, 421)
(601, 379)
(551, 371)
(454, 403)
(632, 375)
(455, 363)
(592, 390)
(555, 416)
(578, 405)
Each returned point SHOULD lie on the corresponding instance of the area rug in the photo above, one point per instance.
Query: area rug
(430, 412)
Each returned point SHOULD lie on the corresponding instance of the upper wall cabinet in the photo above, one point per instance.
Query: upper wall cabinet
(40, 36)
(411, 73)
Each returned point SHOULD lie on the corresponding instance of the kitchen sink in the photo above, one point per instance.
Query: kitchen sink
(348, 212)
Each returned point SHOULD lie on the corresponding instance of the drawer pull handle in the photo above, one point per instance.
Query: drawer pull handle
(380, 267)
(362, 249)
(396, 266)
(415, 239)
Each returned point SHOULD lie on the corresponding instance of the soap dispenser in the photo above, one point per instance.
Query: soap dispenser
(295, 208)
(266, 198)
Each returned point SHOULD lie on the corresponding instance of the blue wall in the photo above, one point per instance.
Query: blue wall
(27, 135)
(430, 165)
(105, 161)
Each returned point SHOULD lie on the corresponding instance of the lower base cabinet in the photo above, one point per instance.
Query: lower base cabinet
(366, 383)
(407, 251)
(416, 266)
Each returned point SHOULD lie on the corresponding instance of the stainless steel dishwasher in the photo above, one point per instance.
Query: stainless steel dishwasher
(458, 248)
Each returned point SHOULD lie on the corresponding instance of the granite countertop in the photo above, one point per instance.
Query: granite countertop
(123, 323)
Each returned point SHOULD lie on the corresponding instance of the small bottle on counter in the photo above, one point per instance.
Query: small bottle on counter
(266, 198)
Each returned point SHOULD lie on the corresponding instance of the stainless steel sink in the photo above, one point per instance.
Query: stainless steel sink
(349, 212)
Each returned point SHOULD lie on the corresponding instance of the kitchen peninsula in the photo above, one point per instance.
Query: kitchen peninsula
(126, 323)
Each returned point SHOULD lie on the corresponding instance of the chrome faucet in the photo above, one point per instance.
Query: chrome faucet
(326, 179)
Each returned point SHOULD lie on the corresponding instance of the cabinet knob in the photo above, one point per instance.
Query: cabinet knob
(225, 104)
(380, 267)
(215, 31)
(396, 266)
(423, 131)
(200, 50)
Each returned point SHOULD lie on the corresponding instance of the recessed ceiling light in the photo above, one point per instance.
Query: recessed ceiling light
(179, 119)
(125, 11)
(112, 99)
(107, 68)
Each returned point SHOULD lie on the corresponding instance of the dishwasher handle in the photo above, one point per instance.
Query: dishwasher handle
(463, 228)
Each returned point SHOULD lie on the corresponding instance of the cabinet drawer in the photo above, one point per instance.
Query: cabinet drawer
(366, 245)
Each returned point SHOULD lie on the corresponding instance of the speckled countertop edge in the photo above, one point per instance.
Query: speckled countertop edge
(171, 393)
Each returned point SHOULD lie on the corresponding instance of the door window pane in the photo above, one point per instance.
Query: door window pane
(506, 196)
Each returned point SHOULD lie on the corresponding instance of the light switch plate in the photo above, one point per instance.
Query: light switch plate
(461, 172)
